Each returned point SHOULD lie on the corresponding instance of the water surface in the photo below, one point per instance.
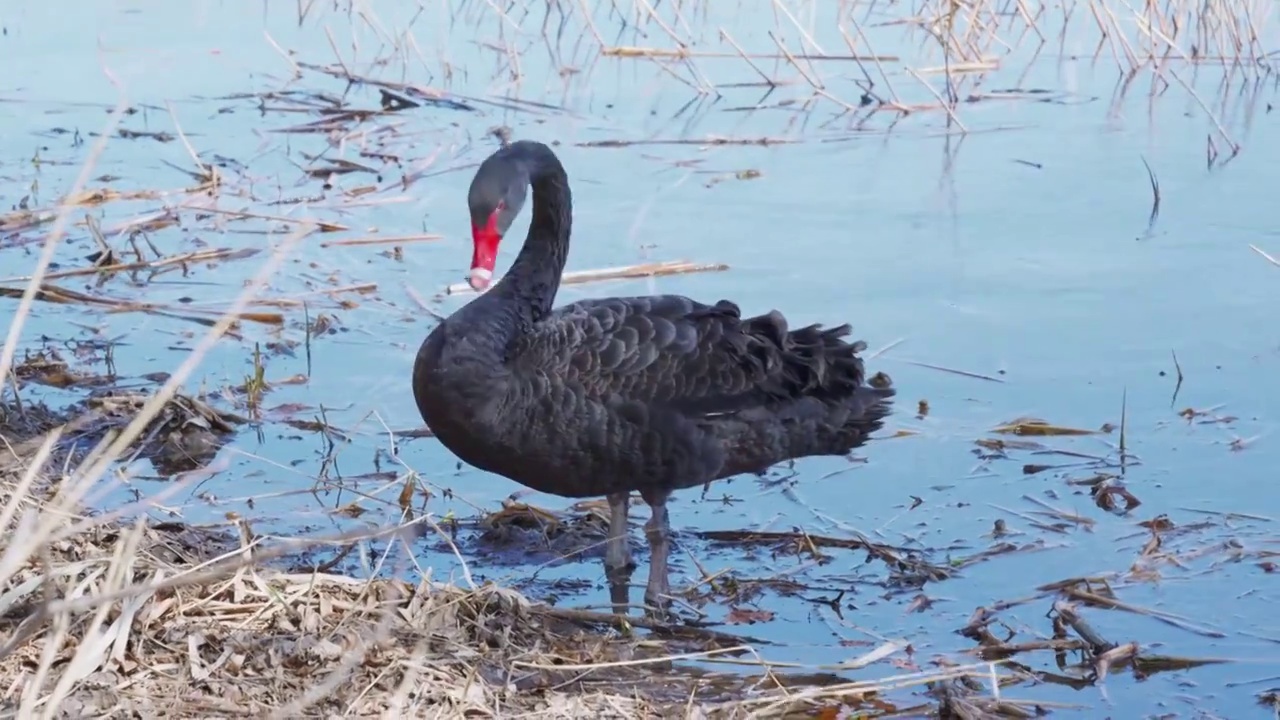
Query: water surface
(1019, 251)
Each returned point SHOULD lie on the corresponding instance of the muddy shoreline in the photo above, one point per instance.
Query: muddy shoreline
(116, 616)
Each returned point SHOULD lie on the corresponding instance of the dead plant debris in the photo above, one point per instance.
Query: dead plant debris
(155, 619)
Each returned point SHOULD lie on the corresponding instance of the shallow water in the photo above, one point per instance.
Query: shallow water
(1019, 252)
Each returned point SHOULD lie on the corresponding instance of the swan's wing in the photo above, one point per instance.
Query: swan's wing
(691, 357)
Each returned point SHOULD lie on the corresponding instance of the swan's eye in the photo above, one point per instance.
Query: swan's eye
(502, 205)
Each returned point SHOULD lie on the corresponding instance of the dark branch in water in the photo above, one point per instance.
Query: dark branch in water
(1178, 387)
(1155, 198)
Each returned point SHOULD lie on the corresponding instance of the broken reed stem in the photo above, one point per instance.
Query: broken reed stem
(643, 270)
(628, 51)
(1269, 258)
(54, 294)
(773, 704)
(389, 240)
(947, 106)
(183, 259)
(320, 225)
(1067, 612)
(206, 172)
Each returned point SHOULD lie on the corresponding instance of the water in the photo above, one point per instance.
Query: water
(1019, 252)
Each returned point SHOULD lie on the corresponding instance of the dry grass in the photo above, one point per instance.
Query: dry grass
(108, 616)
(140, 620)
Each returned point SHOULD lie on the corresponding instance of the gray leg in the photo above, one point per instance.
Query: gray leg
(658, 532)
(617, 555)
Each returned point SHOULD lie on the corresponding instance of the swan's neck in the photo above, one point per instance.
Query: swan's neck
(484, 330)
(529, 287)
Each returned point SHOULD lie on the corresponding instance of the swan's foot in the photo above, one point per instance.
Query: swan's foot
(658, 531)
(657, 600)
(619, 592)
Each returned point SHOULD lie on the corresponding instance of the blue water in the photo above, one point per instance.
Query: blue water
(1043, 276)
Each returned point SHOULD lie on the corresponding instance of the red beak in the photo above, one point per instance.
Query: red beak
(485, 253)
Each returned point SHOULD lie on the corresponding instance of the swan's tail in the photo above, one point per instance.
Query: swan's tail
(861, 415)
(754, 440)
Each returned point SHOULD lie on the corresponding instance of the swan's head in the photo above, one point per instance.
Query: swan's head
(497, 193)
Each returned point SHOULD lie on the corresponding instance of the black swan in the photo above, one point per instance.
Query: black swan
(614, 395)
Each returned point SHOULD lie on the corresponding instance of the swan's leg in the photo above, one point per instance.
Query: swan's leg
(617, 555)
(658, 532)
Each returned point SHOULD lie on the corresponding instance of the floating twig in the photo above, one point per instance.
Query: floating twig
(48, 292)
(953, 371)
(629, 51)
(1033, 426)
(1264, 254)
(321, 225)
(183, 259)
(643, 270)
(710, 141)
(388, 240)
